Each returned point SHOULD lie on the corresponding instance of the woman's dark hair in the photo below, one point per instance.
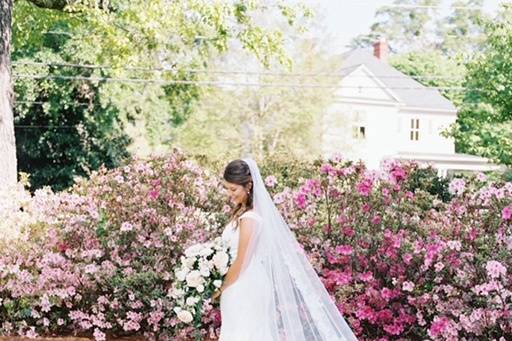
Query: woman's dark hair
(238, 172)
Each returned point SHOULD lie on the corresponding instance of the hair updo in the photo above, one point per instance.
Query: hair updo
(238, 172)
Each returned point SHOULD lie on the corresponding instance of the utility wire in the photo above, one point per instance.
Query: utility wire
(228, 83)
(234, 72)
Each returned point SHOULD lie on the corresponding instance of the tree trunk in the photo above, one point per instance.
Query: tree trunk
(8, 164)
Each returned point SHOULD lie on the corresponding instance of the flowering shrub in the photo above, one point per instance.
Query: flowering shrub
(102, 259)
(406, 265)
(406, 255)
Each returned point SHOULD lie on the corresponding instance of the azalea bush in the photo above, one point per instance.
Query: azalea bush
(405, 254)
(408, 264)
(102, 259)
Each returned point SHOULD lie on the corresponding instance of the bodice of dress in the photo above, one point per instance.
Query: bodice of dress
(231, 233)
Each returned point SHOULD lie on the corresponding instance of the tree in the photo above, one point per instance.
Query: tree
(406, 28)
(171, 36)
(415, 26)
(484, 125)
(65, 128)
(433, 68)
(7, 142)
(264, 121)
(462, 31)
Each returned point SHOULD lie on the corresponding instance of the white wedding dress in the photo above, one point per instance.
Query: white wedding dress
(245, 304)
(277, 296)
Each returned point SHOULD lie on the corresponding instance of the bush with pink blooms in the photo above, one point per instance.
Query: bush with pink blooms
(405, 254)
(401, 262)
(102, 260)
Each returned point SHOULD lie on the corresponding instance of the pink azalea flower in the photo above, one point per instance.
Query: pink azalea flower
(376, 220)
(438, 326)
(408, 286)
(506, 213)
(271, 181)
(154, 194)
(457, 186)
(345, 250)
(301, 200)
(398, 173)
(365, 187)
(99, 335)
(495, 269)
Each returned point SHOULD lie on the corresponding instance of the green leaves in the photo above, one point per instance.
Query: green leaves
(432, 68)
(138, 46)
(484, 126)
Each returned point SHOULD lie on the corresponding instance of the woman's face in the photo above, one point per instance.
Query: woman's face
(237, 193)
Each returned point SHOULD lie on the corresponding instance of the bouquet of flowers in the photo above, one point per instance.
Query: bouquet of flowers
(200, 274)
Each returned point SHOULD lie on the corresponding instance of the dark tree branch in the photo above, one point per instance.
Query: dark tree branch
(61, 4)
(52, 4)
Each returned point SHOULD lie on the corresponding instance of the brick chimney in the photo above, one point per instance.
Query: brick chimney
(381, 49)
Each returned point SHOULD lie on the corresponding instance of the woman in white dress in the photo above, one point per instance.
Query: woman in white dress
(270, 292)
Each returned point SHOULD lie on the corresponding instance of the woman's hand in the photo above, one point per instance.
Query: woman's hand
(216, 295)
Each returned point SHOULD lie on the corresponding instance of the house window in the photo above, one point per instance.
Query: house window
(359, 125)
(415, 129)
(358, 132)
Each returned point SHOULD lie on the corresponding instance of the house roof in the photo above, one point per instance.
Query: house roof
(408, 90)
(456, 161)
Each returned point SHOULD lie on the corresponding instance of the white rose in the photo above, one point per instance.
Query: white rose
(176, 293)
(205, 272)
(194, 279)
(192, 301)
(200, 288)
(220, 260)
(185, 316)
(206, 252)
(189, 262)
(217, 283)
(181, 274)
(193, 250)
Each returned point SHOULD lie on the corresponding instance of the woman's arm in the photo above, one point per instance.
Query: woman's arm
(247, 230)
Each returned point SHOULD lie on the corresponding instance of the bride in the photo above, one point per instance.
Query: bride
(270, 292)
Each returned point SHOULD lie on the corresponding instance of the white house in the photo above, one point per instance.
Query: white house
(380, 113)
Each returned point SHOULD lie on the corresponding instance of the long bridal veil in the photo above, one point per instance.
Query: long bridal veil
(301, 309)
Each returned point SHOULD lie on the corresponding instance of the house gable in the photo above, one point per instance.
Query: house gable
(409, 91)
(360, 84)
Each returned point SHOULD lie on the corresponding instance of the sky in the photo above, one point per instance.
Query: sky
(345, 19)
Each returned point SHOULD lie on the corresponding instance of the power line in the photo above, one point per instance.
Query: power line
(420, 7)
(225, 83)
(228, 72)
(16, 102)
(29, 102)
(44, 126)
(468, 8)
